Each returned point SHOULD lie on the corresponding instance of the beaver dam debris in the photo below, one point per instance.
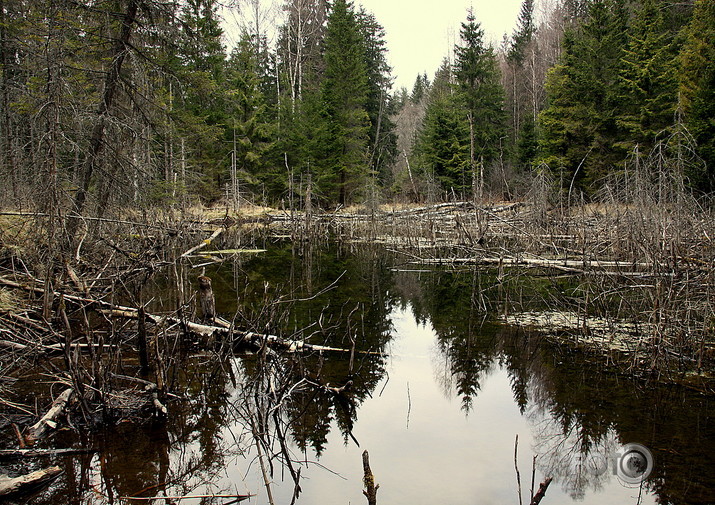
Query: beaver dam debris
(105, 350)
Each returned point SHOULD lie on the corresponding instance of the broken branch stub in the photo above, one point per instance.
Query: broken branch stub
(371, 488)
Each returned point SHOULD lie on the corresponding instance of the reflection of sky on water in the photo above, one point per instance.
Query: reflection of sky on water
(424, 449)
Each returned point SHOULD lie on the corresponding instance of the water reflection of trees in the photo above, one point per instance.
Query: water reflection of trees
(581, 410)
(230, 406)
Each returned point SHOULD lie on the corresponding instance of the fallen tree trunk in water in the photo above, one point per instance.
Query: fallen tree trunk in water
(40, 428)
(29, 482)
(207, 331)
(38, 453)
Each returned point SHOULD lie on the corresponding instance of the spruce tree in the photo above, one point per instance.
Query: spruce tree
(578, 126)
(442, 145)
(345, 93)
(648, 79)
(379, 105)
(197, 104)
(477, 75)
(697, 85)
(248, 127)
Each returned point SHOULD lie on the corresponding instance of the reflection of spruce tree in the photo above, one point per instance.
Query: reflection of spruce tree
(461, 337)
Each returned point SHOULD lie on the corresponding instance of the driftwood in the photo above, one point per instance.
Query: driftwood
(203, 330)
(29, 482)
(371, 488)
(50, 348)
(47, 422)
(567, 265)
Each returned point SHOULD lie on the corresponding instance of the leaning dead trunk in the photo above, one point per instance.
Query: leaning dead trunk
(97, 140)
(371, 488)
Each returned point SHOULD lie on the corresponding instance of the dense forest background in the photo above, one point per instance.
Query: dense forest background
(113, 104)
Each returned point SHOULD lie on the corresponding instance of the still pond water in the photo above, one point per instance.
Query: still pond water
(441, 389)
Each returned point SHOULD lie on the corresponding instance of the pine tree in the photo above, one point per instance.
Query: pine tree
(345, 93)
(477, 75)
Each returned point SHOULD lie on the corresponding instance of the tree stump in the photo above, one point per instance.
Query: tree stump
(206, 297)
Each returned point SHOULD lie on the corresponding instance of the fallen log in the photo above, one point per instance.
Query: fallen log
(204, 243)
(237, 497)
(240, 337)
(26, 483)
(38, 453)
(47, 422)
(203, 330)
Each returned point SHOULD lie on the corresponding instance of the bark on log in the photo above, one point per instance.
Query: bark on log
(40, 428)
(29, 482)
(541, 492)
(371, 488)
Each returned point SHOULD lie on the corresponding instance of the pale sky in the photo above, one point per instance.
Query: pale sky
(419, 33)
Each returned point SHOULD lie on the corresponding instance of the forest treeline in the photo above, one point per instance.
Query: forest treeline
(140, 103)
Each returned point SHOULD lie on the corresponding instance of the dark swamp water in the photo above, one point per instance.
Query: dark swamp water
(440, 390)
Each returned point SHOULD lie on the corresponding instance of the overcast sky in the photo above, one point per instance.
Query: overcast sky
(420, 33)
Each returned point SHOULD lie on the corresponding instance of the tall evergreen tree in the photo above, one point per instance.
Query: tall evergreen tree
(697, 84)
(648, 79)
(578, 126)
(442, 145)
(379, 106)
(248, 128)
(477, 75)
(345, 93)
(518, 100)
(199, 105)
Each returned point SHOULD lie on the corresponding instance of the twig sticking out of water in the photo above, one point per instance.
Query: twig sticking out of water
(371, 488)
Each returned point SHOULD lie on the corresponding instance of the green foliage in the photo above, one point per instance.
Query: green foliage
(248, 128)
(419, 89)
(648, 79)
(443, 142)
(578, 129)
(479, 84)
(697, 84)
(379, 106)
(345, 92)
